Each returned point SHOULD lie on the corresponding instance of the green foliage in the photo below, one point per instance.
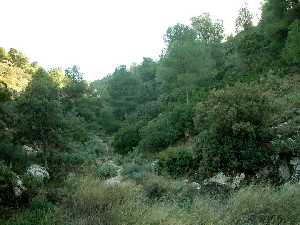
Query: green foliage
(291, 52)
(234, 129)
(136, 172)
(126, 139)
(176, 161)
(244, 19)
(207, 30)
(107, 170)
(33, 185)
(156, 187)
(17, 59)
(259, 205)
(8, 180)
(40, 212)
(166, 129)
(41, 113)
(123, 88)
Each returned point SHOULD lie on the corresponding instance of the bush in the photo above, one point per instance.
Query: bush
(126, 139)
(33, 185)
(136, 172)
(234, 130)
(166, 129)
(176, 161)
(107, 170)
(96, 203)
(156, 187)
(264, 205)
(40, 212)
(291, 52)
(8, 180)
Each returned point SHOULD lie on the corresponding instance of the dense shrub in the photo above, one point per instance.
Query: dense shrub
(107, 170)
(127, 138)
(8, 180)
(166, 129)
(261, 205)
(176, 161)
(33, 185)
(234, 130)
(40, 212)
(136, 172)
(96, 203)
(291, 52)
(156, 187)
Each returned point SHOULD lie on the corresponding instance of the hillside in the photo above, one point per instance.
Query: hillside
(207, 134)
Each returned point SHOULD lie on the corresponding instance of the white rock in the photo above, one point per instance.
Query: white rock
(196, 185)
(38, 171)
(114, 180)
(220, 178)
(237, 180)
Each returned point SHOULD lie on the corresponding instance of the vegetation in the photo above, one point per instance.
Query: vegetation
(209, 107)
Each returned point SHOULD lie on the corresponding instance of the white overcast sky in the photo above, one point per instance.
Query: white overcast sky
(98, 35)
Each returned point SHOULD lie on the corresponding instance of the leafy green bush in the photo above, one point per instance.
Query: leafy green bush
(166, 129)
(264, 205)
(176, 161)
(107, 170)
(156, 187)
(96, 203)
(40, 212)
(291, 52)
(136, 172)
(234, 130)
(8, 180)
(33, 185)
(126, 139)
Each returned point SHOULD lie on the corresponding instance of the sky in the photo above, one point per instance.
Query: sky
(98, 35)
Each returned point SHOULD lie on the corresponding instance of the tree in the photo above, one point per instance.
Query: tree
(207, 30)
(2, 54)
(234, 130)
(41, 114)
(291, 52)
(123, 89)
(179, 33)
(17, 58)
(244, 19)
(74, 73)
(187, 63)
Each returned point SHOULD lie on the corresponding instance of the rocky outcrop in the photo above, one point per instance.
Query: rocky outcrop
(227, 181)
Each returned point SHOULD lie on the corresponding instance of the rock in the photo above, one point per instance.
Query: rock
(38, 171)
(114, 180)
(227, 182)
(295, 178)
(195, 186)
(117, 179)
(19, 187)
(236, 182)
(284, 171)
(220, 178)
